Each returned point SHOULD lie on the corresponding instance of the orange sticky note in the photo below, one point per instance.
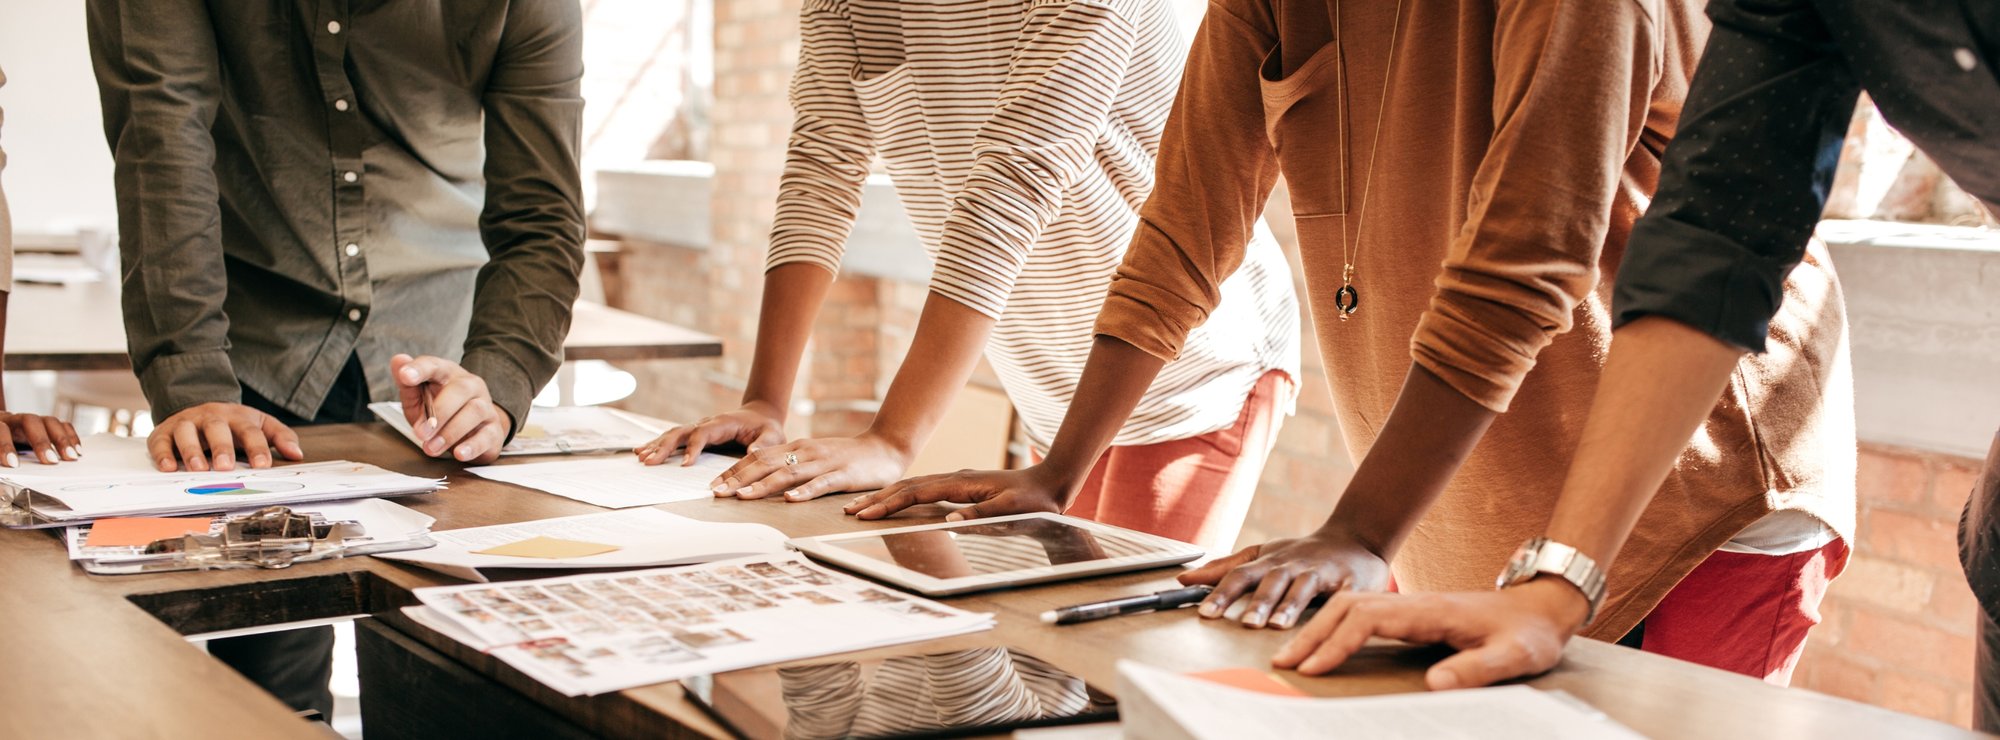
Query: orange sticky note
(548, 547)
(1249, 679)
(141, 531)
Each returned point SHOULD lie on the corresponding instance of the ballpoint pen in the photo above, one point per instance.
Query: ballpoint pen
(1162, 601)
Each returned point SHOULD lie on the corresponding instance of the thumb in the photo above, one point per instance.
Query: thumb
(1214, 570)
(969, 512)
(1491, 662)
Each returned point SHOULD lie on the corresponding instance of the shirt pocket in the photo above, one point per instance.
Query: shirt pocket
(1304, 120)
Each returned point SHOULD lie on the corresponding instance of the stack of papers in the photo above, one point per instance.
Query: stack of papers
(614, 539)
(111, 481)
(1162, 705)
(617, 482)
(602, 632)
(561, 430)
(118, 546)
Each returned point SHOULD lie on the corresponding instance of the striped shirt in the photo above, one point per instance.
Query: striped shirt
(1021, 137)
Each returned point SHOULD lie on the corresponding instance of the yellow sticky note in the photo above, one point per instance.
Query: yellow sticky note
(548, 547)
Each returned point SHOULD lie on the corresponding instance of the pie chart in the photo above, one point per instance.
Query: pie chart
(236, 488)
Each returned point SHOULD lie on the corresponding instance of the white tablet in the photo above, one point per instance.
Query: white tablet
(960, 557)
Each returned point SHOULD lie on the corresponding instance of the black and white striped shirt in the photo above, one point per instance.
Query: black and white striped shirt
(1021, 137)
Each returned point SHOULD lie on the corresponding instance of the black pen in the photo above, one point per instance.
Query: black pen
(1162, 601)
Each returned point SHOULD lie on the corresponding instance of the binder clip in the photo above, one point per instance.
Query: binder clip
(272, 537)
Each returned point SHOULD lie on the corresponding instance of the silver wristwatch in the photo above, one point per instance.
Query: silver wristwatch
(1543, 555)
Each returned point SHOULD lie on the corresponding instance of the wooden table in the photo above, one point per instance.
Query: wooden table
(102, 656)
(81, 327)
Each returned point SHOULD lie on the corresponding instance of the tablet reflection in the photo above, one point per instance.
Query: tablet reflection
(919, 693)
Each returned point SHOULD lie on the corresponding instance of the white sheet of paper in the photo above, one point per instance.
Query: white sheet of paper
(104, 456)
(555, 431)
(88, 496)
(645, 537)
(616, 481)
(600, 632)
(1155, 703)
(385, 521)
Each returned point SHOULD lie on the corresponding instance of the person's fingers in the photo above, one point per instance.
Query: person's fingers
(256, 449)
(697, 440)
(282, 437)
(1315, 632)
(187, 439)
(71, 444)
(221, 445)
(752, 468)
(905, 494)
(483, 444)
(833, 482)
(859, 503)
(971, 512)
(425, 369)
(411, 394)
(782, 477)
(1372, 615)
(1258, 605)
(160, 446)
(1232, 586)
(7, 455)
(446, 405)
(1214, 570)
(656, 451)
(37, 436)
(458, 428)
(1306, 587)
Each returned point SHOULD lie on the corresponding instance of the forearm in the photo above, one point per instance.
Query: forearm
(1660, 382)
(1429, 433)
(1114, 379)
(949, 338)
(793, 294)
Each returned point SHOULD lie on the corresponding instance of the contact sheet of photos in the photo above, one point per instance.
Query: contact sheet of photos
(589, 634)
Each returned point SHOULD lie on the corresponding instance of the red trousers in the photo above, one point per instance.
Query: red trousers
(1196, 489)
(1745, 613)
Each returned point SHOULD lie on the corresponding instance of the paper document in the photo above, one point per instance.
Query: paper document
(556, 431)
(62, 494)
(1162, 705)
(615, 482)
(386, 522)
(643, 538)
(602, 632)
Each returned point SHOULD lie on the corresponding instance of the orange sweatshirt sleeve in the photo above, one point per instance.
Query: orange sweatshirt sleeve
(1573, 83)
(1215, 170)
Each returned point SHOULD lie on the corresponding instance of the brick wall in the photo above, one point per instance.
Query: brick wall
(1898, 629)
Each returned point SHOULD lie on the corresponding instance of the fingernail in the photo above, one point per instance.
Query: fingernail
(464, 452)
(71, 449)
(49, 456)
(719, 489)
(260, 461)
(1444, 680)
(742, 491)
(793, 495)
(1209, 610)
(13, 460)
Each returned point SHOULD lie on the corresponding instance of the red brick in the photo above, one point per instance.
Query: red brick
(1831, 673)
(1892, 585)
(1929, 540)
(1953, 484)
(1952, 601)
(1892, 479)
(1906, 642)
(1923, 697)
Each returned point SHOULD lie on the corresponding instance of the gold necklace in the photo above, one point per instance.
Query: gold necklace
(1347, 299)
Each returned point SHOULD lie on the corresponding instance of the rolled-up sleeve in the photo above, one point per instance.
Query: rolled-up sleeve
(1746, 176)
(827, 157)
(1216, 169)
(159, 80)
(532, 223)
(1573, 82)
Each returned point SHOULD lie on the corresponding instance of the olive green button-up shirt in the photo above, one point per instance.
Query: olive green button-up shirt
(301, 181)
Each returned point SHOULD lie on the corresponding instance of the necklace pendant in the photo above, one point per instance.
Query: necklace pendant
(1347, 300)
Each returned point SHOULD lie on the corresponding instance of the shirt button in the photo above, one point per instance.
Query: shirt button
(1965, 58)
(353, 314)
(333, 27)
(350, 176)
(340, 105)
(353, 249)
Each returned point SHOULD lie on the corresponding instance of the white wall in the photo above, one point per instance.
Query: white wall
(58, 175)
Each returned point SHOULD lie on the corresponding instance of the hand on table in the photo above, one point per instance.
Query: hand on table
(1510, 633)
(990, 493)
(49, 439)
(755, 426)
(1277, 580)
(206, 437)
(449, 408)
(811, 468)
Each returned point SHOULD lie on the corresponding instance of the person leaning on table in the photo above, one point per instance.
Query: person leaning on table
(1479, 167)
(49, 440)
(310, 192)
(1743, 187)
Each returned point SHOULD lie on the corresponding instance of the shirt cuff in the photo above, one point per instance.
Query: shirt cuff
(1483, 354)
(512, 388)
(175, 383)
(1699, 278)
(1150, 318)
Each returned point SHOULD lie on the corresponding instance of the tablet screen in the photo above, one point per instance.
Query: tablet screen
(980, 690)
(985, 548)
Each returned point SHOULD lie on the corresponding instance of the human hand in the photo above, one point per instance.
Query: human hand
(206, 437)
(811, 468)
(755, 426)
(449, 408)
(990, 493)
(1277, 580)
(1510, 633)
(51, 440)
